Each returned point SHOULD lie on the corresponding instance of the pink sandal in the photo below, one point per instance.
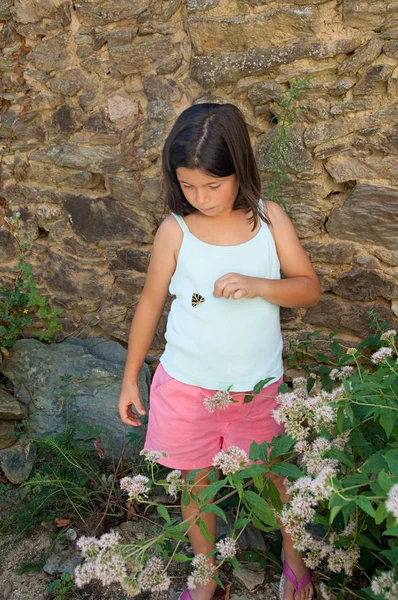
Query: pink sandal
(288, 575)
(185, 595)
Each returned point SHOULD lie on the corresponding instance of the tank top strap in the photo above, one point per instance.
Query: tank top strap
(182, 224)
(262, 211)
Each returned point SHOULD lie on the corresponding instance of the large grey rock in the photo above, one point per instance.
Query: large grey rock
(64, 557)
(307, 221)
(368, 216)
(7, 433)
(251, 575)
(230, 66)
(87, 373)
(335, 253)
(161, 55)
(365, 14)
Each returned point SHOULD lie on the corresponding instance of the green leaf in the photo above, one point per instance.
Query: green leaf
(365, 504)
(381, 513)
(259, 386)
(392, 460)
(162, 510)
(181, 558)
(387, 421)
(260, 508)
(336, 504)
(211, 490)
(248, 398)
(365, 542)
(342, 457)
(287, 469)
(254, 451)
(214, 508)
(186, 498)
(274, 495)
(384, 481)
(375, 463)
(204, 530)
(281, 445)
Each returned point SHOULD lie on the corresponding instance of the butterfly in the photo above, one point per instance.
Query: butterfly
(197, 299)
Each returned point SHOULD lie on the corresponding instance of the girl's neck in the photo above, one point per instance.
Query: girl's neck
(224, 230)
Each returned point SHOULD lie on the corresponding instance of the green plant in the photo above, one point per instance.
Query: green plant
(280, 147)
(340, 460)
(22, 302)
(63, 587)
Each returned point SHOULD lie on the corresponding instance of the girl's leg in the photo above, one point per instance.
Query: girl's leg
(294, 560)
(198, 542)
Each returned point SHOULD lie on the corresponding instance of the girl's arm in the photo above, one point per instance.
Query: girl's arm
(299, 288)
(146, 318)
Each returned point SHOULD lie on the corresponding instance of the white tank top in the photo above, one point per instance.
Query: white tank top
(213, 342)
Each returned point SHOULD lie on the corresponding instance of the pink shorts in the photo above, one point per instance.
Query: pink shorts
(180, 424)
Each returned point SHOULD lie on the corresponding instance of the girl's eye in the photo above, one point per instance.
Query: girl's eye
(186, 187)
(214, 187)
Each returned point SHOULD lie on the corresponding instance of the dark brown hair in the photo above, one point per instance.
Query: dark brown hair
(213, 138)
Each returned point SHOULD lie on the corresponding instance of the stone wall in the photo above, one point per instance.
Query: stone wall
(91, 87)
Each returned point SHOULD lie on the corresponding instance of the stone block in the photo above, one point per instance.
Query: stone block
(68, 277)
(123, 110)
(8, 245)
(160, 88)
(60, 176)
(295, 156)
(331, 130)
(352, 106)
(336, 314)
(67, 119)
(130, 259)
(10, 408)
(335, 253)
(52, 53)
(352, 168)
(7, 434)
(17, 461)
(391, 49)
(363, 56)
(372, 76)
(228, 67)
(143, 193)
(33, 12)
(101, 12)
(103, 219)
(368, 216)
(264, 92)
(307, 221)
(160, 54)
(341, 86)
(160, 110)
(240, 33)
(70, 81)
(364, 14)
(96, 160)
(194, 6)
(365, 285)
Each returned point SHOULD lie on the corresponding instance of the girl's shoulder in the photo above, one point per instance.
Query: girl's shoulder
(274, 212)
(169, 234)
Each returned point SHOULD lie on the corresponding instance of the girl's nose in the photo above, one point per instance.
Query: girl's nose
(201, 197)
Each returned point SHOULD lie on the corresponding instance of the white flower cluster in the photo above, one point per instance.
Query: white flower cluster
(303, 414)
(392, 501)
(226, 548)
(388, 336)
(386, 585)
(153, 577)
(152, 456)
(343, 373)
(231, 460)
(103, 562)
(136, 487)
(381, 355)
(202, 573)
(175, 481)
(220, 400)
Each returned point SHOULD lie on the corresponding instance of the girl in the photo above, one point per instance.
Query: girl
(220, 254)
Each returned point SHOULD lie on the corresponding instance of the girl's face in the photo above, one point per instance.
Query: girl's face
(213, 196)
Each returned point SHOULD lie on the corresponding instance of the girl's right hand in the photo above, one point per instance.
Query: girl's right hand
(129, 398)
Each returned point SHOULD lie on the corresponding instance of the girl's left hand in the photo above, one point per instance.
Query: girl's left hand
(236, 286)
